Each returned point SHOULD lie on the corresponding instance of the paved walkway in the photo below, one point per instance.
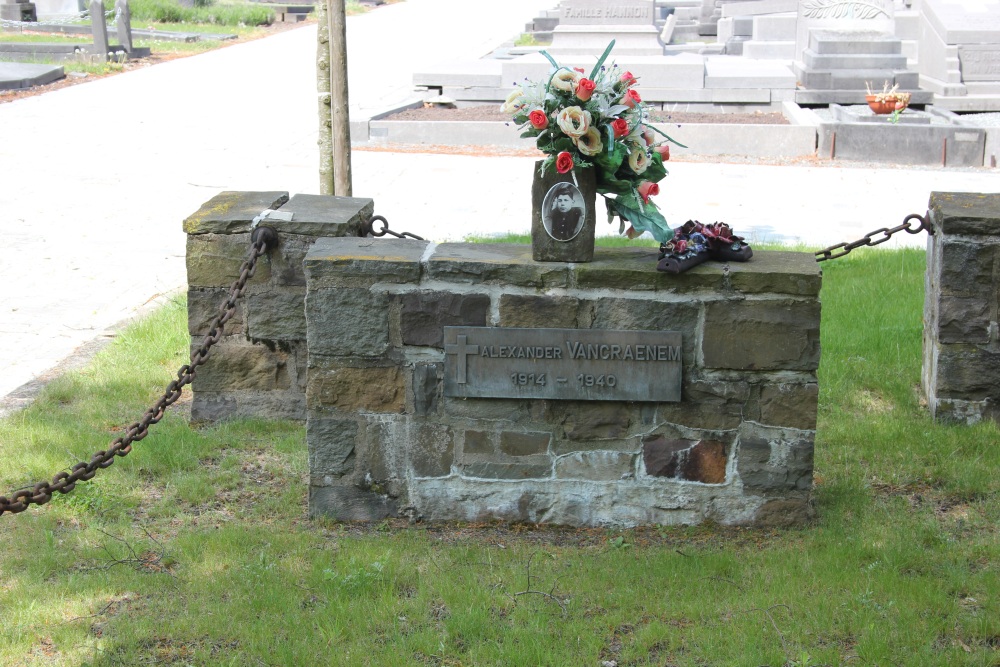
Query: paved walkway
(95, 179)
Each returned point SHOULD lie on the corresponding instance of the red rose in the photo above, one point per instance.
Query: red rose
(631, 98)
(564, 162)
(648, 135)
(538, 119)
(620, 126)
(648, 189)
(584, 89)
(627, 78)
(664, 151)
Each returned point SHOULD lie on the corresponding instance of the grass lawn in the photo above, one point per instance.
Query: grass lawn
(196, 549)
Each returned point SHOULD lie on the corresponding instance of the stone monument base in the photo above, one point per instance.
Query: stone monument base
(630, 40)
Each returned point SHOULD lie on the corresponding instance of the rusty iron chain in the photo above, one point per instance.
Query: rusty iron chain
(368, 229)
(64, 482)
(841, 249)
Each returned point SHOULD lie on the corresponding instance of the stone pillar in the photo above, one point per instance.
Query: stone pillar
(258, 369)
(961, 371)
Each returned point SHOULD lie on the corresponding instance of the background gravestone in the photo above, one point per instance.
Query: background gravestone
(959, 50)
(587, 26)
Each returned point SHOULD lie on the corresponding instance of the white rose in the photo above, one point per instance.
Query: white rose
(573, 121)
(590, 142)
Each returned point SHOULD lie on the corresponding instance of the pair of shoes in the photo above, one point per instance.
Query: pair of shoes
(694, 243)
(726, 246)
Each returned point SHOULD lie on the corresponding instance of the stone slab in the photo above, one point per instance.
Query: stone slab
(232, 212)
(964, 21)
(759, 7)
(903, 144)
(775, 27)
(315, 215)
(14, 76)
(756, 50)
(724, 72)
(680, 71)
(483, 72)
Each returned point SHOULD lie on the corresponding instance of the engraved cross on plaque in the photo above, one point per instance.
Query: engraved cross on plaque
(463, 351)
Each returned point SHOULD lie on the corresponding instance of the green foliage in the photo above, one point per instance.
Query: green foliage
(204, 11)
(196, 548)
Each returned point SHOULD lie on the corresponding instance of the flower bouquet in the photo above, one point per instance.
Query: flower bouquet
(598, 121)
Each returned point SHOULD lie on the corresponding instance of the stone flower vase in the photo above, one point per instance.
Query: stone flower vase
(562, 215)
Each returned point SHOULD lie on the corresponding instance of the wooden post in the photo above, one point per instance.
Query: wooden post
(341, 127)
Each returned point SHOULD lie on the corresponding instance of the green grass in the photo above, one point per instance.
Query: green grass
(195, 549)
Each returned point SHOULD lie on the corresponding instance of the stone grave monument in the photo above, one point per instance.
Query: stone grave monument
(959, 56)
(467, 381)
(588, 26)
(18, 10)
(843, 46)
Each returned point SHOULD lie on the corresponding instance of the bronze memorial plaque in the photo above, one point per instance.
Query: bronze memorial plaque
(571, 364)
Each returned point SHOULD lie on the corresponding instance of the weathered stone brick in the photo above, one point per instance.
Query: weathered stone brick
(277, 315)
(593, 420)
(777, 273)
(967, 268)
(203, 307)
(772, 462)
(347, 322)
(232, 211)
(355, 262)
(691, 460)
(331, 444)
(424, 315)
(762, 335)
(595, 466)
(508, 264)
(560, 447)
(710, 405)
(789, 405)
(348, 503)
(426, 388)
(643, 314)
(358, 389)
(966, 213)
(785, 513)
(214, 260)
(432, 450)
(287, 258)
(531, 311)
(968, 372)
(629, 269)
(486, 408)
(235, 366)
(478, 442)
(325, 215)
(964, 319)
(535, 468)
(514, 443)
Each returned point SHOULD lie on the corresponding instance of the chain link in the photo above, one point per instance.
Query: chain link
(841, 249)
(368, 229)
(64, 482)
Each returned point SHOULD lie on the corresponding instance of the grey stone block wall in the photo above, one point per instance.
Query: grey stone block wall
(961, 369)
(384, 441)
(259, 367)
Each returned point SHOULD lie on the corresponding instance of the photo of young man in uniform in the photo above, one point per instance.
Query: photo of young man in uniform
(562, 212)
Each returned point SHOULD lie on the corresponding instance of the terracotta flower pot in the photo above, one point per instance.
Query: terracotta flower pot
(882, 107)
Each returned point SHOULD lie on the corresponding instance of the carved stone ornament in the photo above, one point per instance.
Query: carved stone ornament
(845, 9)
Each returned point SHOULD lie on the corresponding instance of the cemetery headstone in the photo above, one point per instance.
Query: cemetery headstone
(587, 26)
(99, 27)
(959, 53)
(124, 24)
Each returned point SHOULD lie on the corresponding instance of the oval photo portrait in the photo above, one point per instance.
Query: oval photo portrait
(563, 211)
